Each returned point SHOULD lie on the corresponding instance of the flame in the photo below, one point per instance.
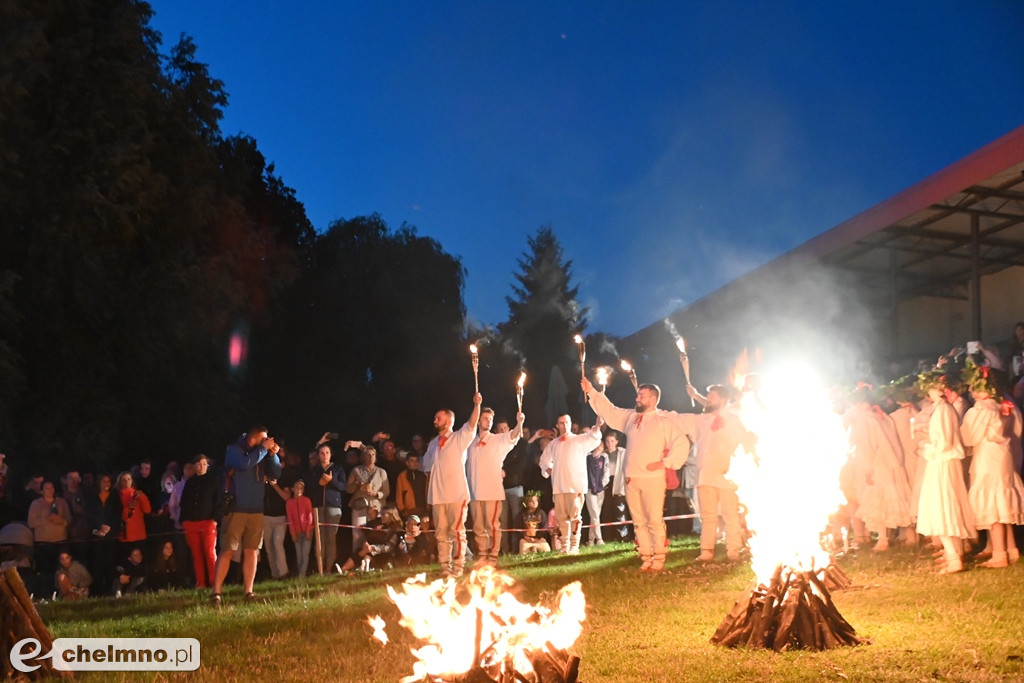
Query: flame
(681, 345)
(522, 380)
(448, 619)
(473, 349)
(578, 339)
(625, 365)
(602, 374)
(377, 623)
(798, 451)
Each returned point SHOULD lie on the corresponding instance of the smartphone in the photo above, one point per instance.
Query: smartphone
(333, 436)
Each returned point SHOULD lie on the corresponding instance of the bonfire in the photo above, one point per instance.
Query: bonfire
(789, 490)
(479, 630)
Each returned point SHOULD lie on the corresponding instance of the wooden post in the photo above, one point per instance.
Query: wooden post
(316, 542)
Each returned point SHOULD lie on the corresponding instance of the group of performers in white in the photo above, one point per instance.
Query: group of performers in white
(942, 462)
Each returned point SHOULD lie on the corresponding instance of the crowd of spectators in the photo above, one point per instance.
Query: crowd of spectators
(346, 506)
(88, 533)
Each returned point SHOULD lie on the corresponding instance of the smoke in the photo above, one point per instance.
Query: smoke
(509, 349)
(608, 346)
(671, 327)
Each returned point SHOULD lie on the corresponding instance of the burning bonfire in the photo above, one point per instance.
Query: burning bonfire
(789, 492)
(479, 631)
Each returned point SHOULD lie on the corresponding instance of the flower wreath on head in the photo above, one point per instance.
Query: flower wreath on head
(933, 379)
(980, 378)
(902, 390)
(863, 391)
(534, 493)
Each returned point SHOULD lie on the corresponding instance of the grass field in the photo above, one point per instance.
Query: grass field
(921, 626)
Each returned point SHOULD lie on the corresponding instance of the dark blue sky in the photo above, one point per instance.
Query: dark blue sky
(672, 146)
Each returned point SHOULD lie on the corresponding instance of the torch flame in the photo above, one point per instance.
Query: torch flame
(681, 345)
(602, 375)
(473, 349)
(522, 380)
(625, 365)
(578, 339)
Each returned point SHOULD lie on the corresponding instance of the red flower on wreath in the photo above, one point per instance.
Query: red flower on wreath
(1006, 407)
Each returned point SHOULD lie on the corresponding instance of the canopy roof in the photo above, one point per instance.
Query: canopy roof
(923, 239)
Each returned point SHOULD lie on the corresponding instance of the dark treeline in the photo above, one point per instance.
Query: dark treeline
(161, 287)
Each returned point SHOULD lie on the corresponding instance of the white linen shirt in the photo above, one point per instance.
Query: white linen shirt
(486, 456)
(566, 456)
(445, 459)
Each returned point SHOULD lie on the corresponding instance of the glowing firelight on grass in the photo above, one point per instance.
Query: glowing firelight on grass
(481, 625)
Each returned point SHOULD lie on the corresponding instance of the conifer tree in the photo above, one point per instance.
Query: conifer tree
(543, 317)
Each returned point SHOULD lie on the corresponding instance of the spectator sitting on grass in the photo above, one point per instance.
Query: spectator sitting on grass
(382, 542)
(532, 521)
(130, 575)
(73, 579)
(415, 547)
(355, 560)
(166, 572)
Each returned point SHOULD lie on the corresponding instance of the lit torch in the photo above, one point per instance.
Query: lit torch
(475, 355)
(685, 360)
(582, 348)
(628, 369)
(602, 377)
(519, 390)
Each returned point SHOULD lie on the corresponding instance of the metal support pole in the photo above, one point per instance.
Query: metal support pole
(894, 318)
(975, 277)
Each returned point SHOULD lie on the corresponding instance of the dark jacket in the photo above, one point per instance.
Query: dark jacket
(202, 498)
(332, 495)
(108, 513)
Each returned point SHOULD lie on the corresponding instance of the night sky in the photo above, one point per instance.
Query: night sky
(672, 146)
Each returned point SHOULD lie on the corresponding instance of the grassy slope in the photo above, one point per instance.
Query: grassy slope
(965, 627)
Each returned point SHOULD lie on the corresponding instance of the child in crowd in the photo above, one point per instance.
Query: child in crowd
(532, 520)
(299, 510)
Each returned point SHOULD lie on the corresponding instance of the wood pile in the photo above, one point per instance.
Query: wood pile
(794, 611)
(20, 620)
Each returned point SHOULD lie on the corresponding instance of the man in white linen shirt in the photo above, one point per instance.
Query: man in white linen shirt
(448, 488)
(486, 486)
(565, 460)
(654, 441)
(716, 434)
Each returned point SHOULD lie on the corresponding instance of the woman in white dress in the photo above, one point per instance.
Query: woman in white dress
(884, 490)
(944, 509)
(997, 493)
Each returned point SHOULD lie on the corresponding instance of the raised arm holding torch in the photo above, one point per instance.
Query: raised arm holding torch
(582, 348)
(685, 360)
(475, 355)
(519, 390)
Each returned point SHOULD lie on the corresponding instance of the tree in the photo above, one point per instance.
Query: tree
(544, 315)
(134, 236)
(373, 336)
